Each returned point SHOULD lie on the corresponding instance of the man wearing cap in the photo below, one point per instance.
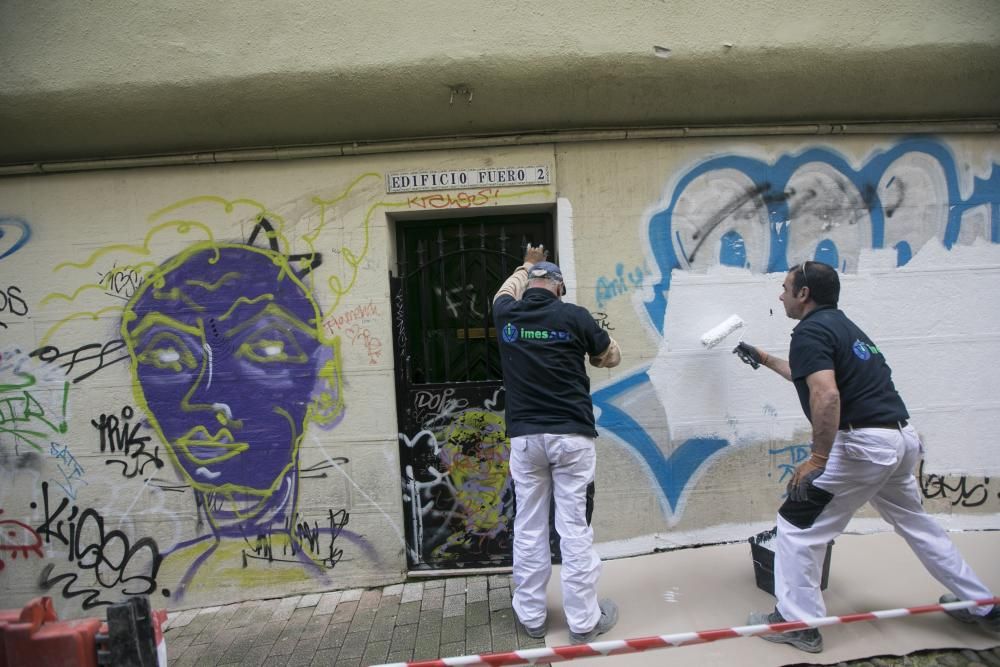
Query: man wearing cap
(550, 421)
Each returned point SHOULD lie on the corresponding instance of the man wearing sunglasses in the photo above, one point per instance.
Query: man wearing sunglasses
(863, 450)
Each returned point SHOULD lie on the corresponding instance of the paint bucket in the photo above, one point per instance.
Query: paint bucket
(762, 552)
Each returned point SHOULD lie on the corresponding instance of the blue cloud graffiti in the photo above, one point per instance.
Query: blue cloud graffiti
(14, 233)
(769, 196)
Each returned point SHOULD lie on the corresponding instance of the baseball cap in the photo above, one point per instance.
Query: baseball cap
(546, 270)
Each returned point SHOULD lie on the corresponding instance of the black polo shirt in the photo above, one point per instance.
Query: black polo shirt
(826, 340)
(542, 346)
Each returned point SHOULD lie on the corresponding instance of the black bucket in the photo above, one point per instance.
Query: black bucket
(763, 561)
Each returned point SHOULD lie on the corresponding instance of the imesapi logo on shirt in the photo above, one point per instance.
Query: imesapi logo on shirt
(511, 334)
(864, 351)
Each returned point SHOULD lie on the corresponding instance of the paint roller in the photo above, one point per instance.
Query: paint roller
(716, 334)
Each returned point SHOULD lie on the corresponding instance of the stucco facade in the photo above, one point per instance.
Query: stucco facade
(201, 363)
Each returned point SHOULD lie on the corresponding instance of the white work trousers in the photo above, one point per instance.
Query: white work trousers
(562, 466)
(867, 465)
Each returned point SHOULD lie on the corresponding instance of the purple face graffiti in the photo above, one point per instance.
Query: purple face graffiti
(226, 353)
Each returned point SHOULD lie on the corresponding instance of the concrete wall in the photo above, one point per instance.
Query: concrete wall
(99, 79)
(131, 460)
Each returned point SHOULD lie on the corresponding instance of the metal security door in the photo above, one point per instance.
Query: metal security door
(457, 494)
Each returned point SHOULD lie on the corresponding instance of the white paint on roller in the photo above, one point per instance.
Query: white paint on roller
(715, 335)
(941, 352)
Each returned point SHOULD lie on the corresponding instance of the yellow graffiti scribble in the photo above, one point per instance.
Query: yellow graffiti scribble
(97, 286)
(244, 301)
(211, 287)
(76, 316)
(228, 206)
(183, 227)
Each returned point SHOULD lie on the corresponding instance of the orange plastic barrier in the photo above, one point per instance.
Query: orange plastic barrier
(37, 637)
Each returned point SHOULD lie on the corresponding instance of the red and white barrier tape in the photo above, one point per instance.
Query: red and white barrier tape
(619, 646)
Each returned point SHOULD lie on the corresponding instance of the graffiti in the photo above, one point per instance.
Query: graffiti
(319, 543)
(69, 468)
(121, 281)
(118, 436)
(959, 492)
(610, 288)
(602, 321)
(435, 407)
(25, 419)
(795, 455)
(18, 538)
(371, 344)
(764, 216)
(113, 560)
(14, 233)
(358, 315)
(463, 297)
(231, 365)
(81, 355)
(11, 302)
(456, 200)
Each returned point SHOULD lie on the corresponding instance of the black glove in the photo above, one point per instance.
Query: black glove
(800, 492)
(748, 354)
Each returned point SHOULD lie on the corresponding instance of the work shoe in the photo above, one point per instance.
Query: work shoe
(990, 622)
(535, 633)
(609, 616)
(810, 641)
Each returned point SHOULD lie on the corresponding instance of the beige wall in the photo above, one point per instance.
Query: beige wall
(694, 445)
(99, 79)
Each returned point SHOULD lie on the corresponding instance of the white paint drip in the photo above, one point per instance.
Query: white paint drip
(224, 409)
(206, 473)
(208, 351)
(672, 595)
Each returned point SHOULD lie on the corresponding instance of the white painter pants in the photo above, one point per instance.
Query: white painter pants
(866, 465)
(562, 466)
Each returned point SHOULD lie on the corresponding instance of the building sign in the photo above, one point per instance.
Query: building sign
(457, 179)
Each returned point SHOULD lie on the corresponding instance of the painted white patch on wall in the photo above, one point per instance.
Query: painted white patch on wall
(564, 241)
(937, 320)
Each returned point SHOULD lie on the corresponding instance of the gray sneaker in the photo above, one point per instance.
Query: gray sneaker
(810, 641)
(990, 622)
(535, 633)
(609, 616)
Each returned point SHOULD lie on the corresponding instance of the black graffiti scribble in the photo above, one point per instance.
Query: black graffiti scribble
(602, 320)
(318, 543)
(315, 470)
(51, 354)
(957, 493)
(11, 301)
(118, 436)
(108, 555)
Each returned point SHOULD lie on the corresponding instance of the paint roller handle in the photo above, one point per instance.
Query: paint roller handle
(749, 354)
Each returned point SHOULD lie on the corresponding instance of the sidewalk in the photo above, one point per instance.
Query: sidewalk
(666, 592)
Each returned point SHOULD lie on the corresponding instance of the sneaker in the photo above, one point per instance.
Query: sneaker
(990, 622)
(810, 641)
(536, 633)
(609, 616)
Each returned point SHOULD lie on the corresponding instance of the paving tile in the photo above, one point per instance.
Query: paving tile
(433, 583)
(452, 650)
(477, 613)
(351, 595)
(327, 603)
(344, 612)
(499, 581)
(427, 645)
(370, 599)
(476, 589)
(478, 639)
(387, 607)
(275, 661)
(433, 599)
(284, 646)
(300, 659)
(300, 616)
(349, 662)
(504, 643)
(264, 611)
(375, 653)
(382, 628)
(177, 643)
(325, 658)
(454, 605)
(399, 656)
(409, 612)
(354, 646)
(395, 589)
(315, 627)
(362, 621)
(243, 614)
(500, 599)
(270, 634)
(310, 600)
(502, 622)
(310, 644)
(255, 656)
(403, 637)
(183, 618)
(334, 636)
(454, 586)
(453, 630)
(239, 648)
(411, 592)
(285, 608)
